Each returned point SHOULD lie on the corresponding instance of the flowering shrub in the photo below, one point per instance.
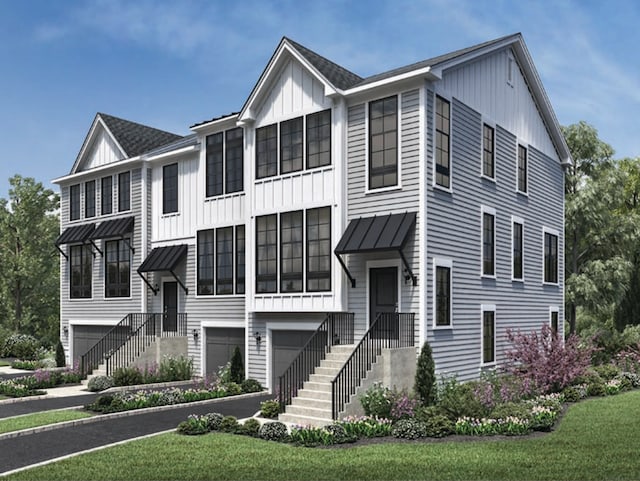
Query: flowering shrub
(542, 418)
(403, 405)
(41, 379)
(274, 431)
(366, 426)
(27, 365)
(170, 369)
(509, 426)
(458, 399)
(628, 360)
(377, 401)
(630, 378)
(324, 436)
(99, 383)
(409, 429)
(22, 346)
(13, 388)
(614, 386)
(193, 425)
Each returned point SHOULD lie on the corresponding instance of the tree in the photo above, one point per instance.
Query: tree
(236, 370)
(29, 264)
(425, 376)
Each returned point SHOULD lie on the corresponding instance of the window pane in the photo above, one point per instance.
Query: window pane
(170, 188)
(319, 249)
(205, 262)
(106, 195)
(267, 151)
(118, 268)
(124, 191)
(291, 251)
(213, 172)
(240, 259)
(550, 258)
(443, 296)
(234, 151)
(517, 251)
(266, 253)
(224, 260)
(80, 268)
(442, 143)
(383, 139)
(522, 169)
(90, 198)
(488, 165)
(488, 336)
(319, 139)
(74, 202)
(488, 244)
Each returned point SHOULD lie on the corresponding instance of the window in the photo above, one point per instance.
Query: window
(442, 298)
(81, 260)
(383, 143)
(224, 260)
(267, 253)
(170, 188)
(553, 319)
(214, 164)
(488, 154)
(234, 152)
(291, 251)
(225, 152)
(488, 334)
(550, 258)
(319, 139)
(488, 243)
(74, 202)
(522, 169)
(510, 64)
(517, 246)
(205, 262)
(106, 195)
(118, 268)
(90, 199)
(267, 151)
(443, 156)
(240, 259)
(291, 145)
(124, 191)
(319, 249)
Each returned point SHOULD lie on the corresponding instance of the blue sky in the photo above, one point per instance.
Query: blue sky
(170, 64)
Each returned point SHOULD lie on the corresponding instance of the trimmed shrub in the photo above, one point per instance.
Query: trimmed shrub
(339, 434)
(22, 346)
(515, 410)
(377, 401)
(100, 383)
(236, 369)
(425, 381)
(274, 431)
(229, 424)
(251, 385)
(409, 429)
(571, 394)
(596, 389)
(194, 425)
(457, 400)
(61, 361)
(607, 371)
(127, 376)
(232, 388)
(213, 420)
(270, 409)
(251, 427)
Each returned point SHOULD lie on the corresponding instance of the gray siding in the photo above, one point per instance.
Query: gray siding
(454, 232)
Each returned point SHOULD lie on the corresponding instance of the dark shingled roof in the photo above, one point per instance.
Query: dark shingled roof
(136, 138)
(214, 119)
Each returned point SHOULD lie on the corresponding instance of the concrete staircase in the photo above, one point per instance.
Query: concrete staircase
(312, 405)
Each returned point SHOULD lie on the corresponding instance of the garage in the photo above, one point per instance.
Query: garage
(221, 341)
(85, 337)
(286, 345)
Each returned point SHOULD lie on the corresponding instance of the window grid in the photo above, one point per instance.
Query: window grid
(214, 163)
(554, 322)
(319, 249)
(517, 254)
(224, 260)
(319, 139)
(205, 262)
(234, 152)
(550, 258)
(90, 199)
(291, 145)
(80, 261)
(488, 244)
(522, 169)
(74, 202)
(383, 143)
(170, 188)
(443, 131)
(488, 336)
(443, 296)
(267, 253)
(118, 268)
(124, 191)
(267, 151)
(488, 154)
(240, 259)
(106, 195)
(291, 251)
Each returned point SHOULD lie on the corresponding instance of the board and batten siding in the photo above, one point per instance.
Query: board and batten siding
(102, 151)
(364, 203)
(454, 233)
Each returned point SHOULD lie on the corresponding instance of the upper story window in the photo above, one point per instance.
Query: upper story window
(291, 251)
(124, 191)
(488, 242)
(443, 133)
(117, 268)
(267, 253)
(234, 156)
(267, 151)
(106, 195)
(522, 169)
(442, 293)
(550, 258)
(216, 261)
(291, 145)
(214, 165)
(383, 143)
(74, 202)
(90, 199)
(488, 152)
(224, 260)
(517, 246)
(240, 259)
(80, 265)
(319, 249)
(319, 139)
(206, 280)
(170, 188)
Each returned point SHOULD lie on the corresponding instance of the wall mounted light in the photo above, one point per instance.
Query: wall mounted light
(258, 338)
(195, 333)
(65, 330)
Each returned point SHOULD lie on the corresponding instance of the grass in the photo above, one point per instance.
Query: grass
(40, 419)
(4, 363)
(596, 439)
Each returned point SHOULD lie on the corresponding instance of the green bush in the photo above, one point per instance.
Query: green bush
(274, 431)
(174, 369)
(229, 424)
(61, 361)
(236, 369)
(425, 380)
(270, 409)
(251, 385)
(515, 410)
(127, 376)
(194, 425)
(571, 394)
(251, 427)
(409, 429)
(27, 365)
(232, 388)
(213, 420)
(22, 346)
(607, 371)
(339, 434)
(100, 383)
(458, 399)
(377, 401)
(366, 427)
(596, 389)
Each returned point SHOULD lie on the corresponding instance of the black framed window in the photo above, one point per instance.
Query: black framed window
(234, 152)
(291, 251)
(522, 169)
(488, 336)
(214, 164)
(517, 256)
(267, 151)
(488, 244)
(106, 195)
(80, 265)
(240, 259)
(550, 258)
(267, 253)
(117, 269)
(443, 296)
(90, 198)
(291, 145)
(205, 280)
(488, 154)
(74, 202)
(554, 322)
(383, 143)
(319, 139)
(224, 260)
(170, 188)
(319, 249)
(443, 133)
(124, 191)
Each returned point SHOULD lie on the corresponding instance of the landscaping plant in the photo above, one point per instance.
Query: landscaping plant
(60, 357)
(425, 381)
(236, 369)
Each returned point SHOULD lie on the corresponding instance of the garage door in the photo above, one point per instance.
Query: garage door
(85, 337)
(220, 345)
(286, 346)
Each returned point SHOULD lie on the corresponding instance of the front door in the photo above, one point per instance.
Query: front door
(170, 311)
(383, 297)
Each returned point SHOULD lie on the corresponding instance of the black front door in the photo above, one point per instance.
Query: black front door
(383, 291)
(170, 299)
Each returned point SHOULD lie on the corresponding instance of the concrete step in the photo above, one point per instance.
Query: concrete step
(304, 420)
(304, 402)
(343, 349)
(332, 364)
(317, 386)
(327, 371)
(321, 378)
(309, 411)
(311, 394)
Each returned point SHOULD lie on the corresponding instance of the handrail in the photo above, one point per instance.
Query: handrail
(129, 338)
(337, 328)
(389, 330)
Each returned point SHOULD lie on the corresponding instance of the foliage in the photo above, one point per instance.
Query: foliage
(270, 409)
(494, 389)
(100, 383)
(509, 426)
(607, 371)
(170, 369)
(511, 409)
(236, 369)
(61, 360)
(27, 365)
(229, 424)
(32, 385)
(366, 426)
(409, 429)
(193, 425)
(213, 420)
(22, 346)
(250, 385)
(273, 431)
(403, 405)
(377, 401)
(323, 436)
(458, 399)
(232, 388)
(425, 380)
(127, 376)
(251, 427)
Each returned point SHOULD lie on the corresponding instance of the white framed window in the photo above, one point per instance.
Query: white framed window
(517, 248)
(554, 319)
(442, 141)
(488, 244)
(442, 293)
(550, 255)
(522, 169)
(488, 334)
(488, 159)
(383, 144)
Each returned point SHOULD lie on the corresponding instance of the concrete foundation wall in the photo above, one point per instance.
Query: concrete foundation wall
(164, 346)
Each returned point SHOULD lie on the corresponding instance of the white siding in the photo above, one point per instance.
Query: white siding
(103, 150)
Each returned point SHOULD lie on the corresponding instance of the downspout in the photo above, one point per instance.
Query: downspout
(143, 233)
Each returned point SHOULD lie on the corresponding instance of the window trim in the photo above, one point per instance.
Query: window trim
(82, 247)
(446, 263)
(102, 190)
(281, 259)
(75, 212)
(435, 184)
(301, 119)
(120, 175)
(217, 264)
(257, 259)
(306, 138)
(225, 164)
(524, 146)
(553, 232)
(367, 109)
(236, 261)
(485, 210)
(554, 310)
(483, 309)
(213, 265)
(277, 150)
(307, 250)
(165, 168)
(207, 171)
(492, 126)
(517, 220)
(87, 197)
(128, 240)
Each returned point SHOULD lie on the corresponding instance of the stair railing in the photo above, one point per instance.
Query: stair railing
(389, 330)
(337, 328)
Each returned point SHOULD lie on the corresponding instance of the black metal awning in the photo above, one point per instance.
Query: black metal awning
(77, 234)
(113, 228)
(164, 259)
(377, 234)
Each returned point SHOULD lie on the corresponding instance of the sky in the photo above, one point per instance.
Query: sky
(172, 63)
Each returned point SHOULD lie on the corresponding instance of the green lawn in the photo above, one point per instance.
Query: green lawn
(4, 363)
(597, 439)
(40, 419)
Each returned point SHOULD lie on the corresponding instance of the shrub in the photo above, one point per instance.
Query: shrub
(607, 371)
(628, 360)
(542, 418)
(236, 369)
(251, 385)
(61, 360)
(409, 429)
(366, 426)
(596, 389)
(274, 431)
(251, 427)
(545, 361)
(100, 383)
(631, 378)
(339, 434)
(403, 405)
(377, 401)
(22, 346)
(311, 436)
(27, 365)
(437, 425)
(232, 388)
(456, 399)
(213, 420)
(425, 381)
(229, 424)
(193, 425)
(127, 376)
(490, 427)
(270, 409)
(515, 410)
(613, 386)
(174, 369)
(571, 394)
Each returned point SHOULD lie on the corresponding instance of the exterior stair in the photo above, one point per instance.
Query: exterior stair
(312, 406)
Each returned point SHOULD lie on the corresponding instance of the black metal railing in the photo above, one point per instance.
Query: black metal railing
(129, 338)
(337, 328)
(390, 330)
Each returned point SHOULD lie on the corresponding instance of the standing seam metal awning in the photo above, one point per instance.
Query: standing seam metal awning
(77, 234)
(375, 234)
(114, 228)
(164, 259)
